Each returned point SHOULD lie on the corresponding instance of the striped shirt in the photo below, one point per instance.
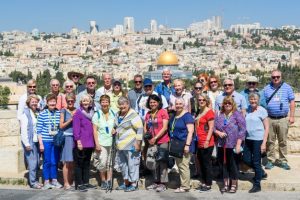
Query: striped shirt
(48, 120)
(128, 130)
(279, 104)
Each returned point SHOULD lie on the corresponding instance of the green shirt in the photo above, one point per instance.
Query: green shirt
(104, 127)
(114, 101)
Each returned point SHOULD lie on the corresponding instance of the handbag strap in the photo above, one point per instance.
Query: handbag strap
(273, 94)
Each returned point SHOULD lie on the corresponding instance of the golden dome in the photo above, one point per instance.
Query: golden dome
(167, 58)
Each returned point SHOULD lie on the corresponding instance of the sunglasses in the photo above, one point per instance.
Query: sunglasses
(91, 83)
(148, 86)
(202, 80)
(69, 86)
(198, 88)
(213, 82)
(227, 103)
(251, 83)
(54, 85)
(75, 76)
(70, 101)
(228, 85)
(138, 81)
(117, 84)
(275, 77)
(201, 100)
(32, 86)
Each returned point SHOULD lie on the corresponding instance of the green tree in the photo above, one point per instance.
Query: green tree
(18, 76)
(43, 82)
(4, 96)
(174, 47)
(60, 77)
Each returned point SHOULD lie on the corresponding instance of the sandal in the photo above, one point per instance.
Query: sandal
(233, 189)
(181, 190)
(224, 189)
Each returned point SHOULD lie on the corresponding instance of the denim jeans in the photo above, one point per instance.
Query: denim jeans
(252, 157)
(32, 158)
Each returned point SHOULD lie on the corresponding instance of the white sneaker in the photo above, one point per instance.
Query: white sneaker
(56, 184)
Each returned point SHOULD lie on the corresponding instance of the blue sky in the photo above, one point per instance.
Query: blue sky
(62, 15)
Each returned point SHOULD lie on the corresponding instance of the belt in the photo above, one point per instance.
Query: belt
(278, 117)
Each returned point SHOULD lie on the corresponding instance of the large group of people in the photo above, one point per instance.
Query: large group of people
(80, 126)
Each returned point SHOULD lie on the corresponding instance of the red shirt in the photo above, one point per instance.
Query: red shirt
(157, 124)
(202, 129)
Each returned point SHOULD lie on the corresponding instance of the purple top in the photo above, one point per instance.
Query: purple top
(83, 129)
(235, 129)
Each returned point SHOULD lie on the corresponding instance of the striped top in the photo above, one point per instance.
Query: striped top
(128, 130)
(279, 104)
(48, 120)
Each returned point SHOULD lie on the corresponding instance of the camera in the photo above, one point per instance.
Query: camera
(148, 136)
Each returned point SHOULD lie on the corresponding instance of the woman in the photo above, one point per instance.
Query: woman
(66, 124)
(257, 124)
(182, 128)
(103, 124)
(129, 133)
(69, 87)
(198, 87)
(180, 93)
(204, 128)
(230, 128)
(156, 124)
(214, 89)
(29, 139)
(84, 142)
(47, 127)
(203, 78)
(115, 95)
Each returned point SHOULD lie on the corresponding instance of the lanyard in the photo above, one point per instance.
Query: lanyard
(52, 118)
(173, 126)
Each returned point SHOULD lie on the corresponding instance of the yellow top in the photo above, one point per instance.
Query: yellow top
(167, 58)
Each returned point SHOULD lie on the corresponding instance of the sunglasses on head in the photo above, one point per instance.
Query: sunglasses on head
(275, 77)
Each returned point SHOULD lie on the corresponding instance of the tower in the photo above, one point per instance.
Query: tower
(128, 24)
(93, 27)
(153, 26)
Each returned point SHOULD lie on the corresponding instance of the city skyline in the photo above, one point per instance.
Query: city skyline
(61, 16)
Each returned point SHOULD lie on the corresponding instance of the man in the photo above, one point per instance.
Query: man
(75, 77)
(280, 101)
(31, 89)
(90, 85)
(134, 93)
(251, 85)
(165, 88)
(239, 99)
(140, 107)
(107, 87)
(54, 89)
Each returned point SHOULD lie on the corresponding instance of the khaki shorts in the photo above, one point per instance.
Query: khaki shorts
(102, 159)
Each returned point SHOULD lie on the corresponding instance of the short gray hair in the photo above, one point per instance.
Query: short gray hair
(254, 94)
(228, 79)
(123, 100)
(52, 80)
(86, 97)
(69, 82)
(180, 99)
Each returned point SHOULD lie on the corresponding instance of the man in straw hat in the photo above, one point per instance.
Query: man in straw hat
(75, 77)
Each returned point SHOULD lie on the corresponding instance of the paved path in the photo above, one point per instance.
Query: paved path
(28, 194)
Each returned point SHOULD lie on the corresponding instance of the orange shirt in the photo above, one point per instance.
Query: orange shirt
(202, 129)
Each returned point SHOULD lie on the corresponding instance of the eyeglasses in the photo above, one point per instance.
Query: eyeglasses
(198, 88)
(275, 77)
(213, 82)
(70, 101)
(138, 81)
(117, 84)
(202, 80)
(148, 86)
(75, 76)
(201, 100)
(55, 85)
(227, 103)
(251, 83)
(31, 86)
(228, 85)
(69, 86)
(91, 83)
